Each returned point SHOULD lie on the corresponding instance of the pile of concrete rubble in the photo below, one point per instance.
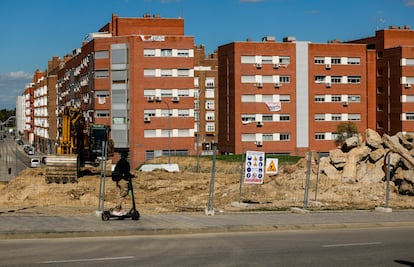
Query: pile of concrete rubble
(367, 161)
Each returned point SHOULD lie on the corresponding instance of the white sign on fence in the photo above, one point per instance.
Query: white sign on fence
(255, 167)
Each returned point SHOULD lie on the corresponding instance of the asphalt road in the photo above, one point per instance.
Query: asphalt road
(351, 247)
(9, 153)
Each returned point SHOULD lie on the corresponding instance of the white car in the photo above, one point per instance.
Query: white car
(34, 162)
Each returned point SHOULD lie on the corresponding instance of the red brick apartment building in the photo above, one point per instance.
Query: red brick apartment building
(289, 97)
(205, 100)
(136, 75)
(393, 72)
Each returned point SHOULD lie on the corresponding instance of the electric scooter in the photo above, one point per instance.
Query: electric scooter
(133, 213)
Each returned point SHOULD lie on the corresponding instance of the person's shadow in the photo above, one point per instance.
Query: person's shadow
(407, 263)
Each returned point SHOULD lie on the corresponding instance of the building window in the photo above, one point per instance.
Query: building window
(210, 127)
(284, 79)
(183, 73)
(102, 114)
(284, 137)
(267, 137)
(336, 79)
(166, 52)
(248, 59)
(210, 104)
(284, 60)
(336, 117)
(119, 76)
(119, 120)
(284, 98)
(319, 136)
(319, 98)
(149, 52)
(267, 59)
(248, 118)
(183, 53)
(354, 98)
(209, 82)
(336, 98)
(166, 73)
(248, 98)
(183, 113)
(319, 117)
(149, 73)
(183, 92)
(210, 116)
(409, 116)
(354, 117)
(101, 93)
(335, 60)
(284, 117)
(149, 112)
(101, 73)
(320, 79)
(101, 54)
(354, 61)
(319, 60)
(267, 118)
(354, 79)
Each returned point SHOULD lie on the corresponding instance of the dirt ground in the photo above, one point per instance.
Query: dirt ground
(188, 190)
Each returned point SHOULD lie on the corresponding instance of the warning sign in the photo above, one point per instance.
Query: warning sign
(254, 167)
(272, 166)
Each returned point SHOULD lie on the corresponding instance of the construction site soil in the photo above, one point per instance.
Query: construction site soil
(188, 190)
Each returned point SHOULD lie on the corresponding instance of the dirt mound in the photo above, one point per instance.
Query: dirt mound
(188, 190)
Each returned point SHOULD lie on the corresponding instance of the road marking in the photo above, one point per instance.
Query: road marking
(89, 260)
(351, 244)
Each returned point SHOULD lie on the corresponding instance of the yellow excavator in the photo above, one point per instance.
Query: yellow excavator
(77, 145)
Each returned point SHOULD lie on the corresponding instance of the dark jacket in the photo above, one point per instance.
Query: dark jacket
(122, 170)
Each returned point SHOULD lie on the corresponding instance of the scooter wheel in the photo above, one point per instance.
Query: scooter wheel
(105, 216)
(135, 215)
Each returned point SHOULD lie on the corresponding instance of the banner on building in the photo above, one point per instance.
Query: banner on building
(274, 106)
(272, 166)
(255, 167)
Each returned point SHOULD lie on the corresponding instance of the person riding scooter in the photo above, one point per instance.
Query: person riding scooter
(121, 176)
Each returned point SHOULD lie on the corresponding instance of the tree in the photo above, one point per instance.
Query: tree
(345, 130)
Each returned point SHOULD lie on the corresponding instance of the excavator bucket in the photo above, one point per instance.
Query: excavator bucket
(62, 169)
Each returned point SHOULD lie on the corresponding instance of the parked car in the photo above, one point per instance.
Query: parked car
(34, 162)
(31, 151)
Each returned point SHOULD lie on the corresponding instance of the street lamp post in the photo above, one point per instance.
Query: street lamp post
(169, 129)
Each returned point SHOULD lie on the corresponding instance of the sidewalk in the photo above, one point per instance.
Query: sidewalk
(28, 226)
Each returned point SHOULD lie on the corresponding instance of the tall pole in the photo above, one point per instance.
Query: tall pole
(169, 131)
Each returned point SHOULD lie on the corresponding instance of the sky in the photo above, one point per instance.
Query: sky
(32, 32)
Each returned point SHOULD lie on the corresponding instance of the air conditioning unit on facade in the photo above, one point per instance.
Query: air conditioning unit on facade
(147, 119)
(259, 143)
(277, 85)
(259, 85)
(276, 66)
(158, 98)
(407, 86)
(258, 65)
(345, 103)
(328, 85)
(150, 99)
(328, 66)
(259, 124)
(175, 99)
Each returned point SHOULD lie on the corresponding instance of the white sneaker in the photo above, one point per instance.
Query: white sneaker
(117, 213)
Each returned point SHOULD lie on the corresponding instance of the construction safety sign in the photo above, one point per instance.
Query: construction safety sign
(272, 166)
(255, 167)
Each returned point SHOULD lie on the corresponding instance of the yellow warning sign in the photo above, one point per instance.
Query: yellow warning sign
(272, 166)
